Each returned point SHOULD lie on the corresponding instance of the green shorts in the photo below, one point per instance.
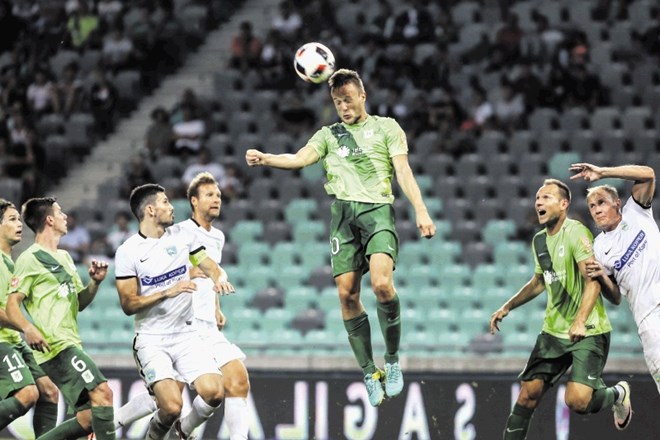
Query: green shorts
(552, 357)
(358, 230)
(28, 358)
(14, 371)
(74, 373)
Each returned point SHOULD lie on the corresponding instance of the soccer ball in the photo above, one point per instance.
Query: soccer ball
(314, 62)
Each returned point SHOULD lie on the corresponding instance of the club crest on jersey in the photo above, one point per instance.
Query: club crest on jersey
(171, 251)
(561, 251)
(343, 151)
(368, 134)
(14, 282)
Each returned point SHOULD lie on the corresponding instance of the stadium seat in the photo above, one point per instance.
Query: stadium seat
(560, 163)
(497, 231)
(309, 231)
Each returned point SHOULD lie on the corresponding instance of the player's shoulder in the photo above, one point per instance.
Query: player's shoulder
(27, 255)
(576, 226)
(131, 243)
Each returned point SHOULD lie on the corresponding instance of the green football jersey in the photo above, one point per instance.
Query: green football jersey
(358, 158)
(563, 280)
(51, 284)
(6, 270)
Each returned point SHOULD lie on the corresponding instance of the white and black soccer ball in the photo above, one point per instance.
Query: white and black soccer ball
(314, 62)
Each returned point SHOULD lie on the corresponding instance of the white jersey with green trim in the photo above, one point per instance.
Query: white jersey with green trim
(205, 298)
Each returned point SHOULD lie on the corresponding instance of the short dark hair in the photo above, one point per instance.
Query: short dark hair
(564, 190)
(345, 76)
(141, 196)
(36, 210)
(4, 206)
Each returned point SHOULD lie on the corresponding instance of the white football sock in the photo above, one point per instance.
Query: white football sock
(237, 417)
(139, 406)
(200, 412)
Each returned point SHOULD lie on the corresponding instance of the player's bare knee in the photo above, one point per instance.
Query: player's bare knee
(383, 288)
(349, 299)
(27, 396)
(48, 392)
(577, 404)
(101, 395)
(170, 411)
(236, 386)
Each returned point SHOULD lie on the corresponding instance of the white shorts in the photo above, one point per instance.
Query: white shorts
(180, 356)
(649, 329)
(217, 343)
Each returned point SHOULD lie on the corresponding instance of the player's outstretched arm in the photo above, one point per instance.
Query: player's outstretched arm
(644, 177)
(304, 157)
(529, 291)
(408, 184)
(132, 302)
(217, 274)
(97, 272)
(33, 337)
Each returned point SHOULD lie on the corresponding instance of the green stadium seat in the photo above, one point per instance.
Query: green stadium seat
(315, 254)
(508, 254)
(560, 162)
(300, 210)
(498, 231)
(310, 230)
(252, 254)
(182, 210)
(454, 276)
(433, 205)
(314, 173)
(246, 231)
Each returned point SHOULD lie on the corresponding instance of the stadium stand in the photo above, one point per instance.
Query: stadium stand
(593, 95)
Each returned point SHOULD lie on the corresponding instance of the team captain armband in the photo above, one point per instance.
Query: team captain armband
(198, 255)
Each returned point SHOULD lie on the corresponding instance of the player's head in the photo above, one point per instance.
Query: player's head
(11, 227)
(348, 95)
(604, 206)
(41, 212)
(150, 201)
(552, 202)
(204, 196)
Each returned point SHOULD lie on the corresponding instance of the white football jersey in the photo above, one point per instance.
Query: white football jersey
(205, 298)
(631, 253)
(157, 264)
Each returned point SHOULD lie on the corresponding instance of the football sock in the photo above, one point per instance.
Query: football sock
(389, 317)
(69, 429)
(518, 423)
(10, 410)
(200, 412)
(139, 406)
(44, 418)
(603, 398)
(237, 416)
(157, 430)
(103, 422)
(359, 336)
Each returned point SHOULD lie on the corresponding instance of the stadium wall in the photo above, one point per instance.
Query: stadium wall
(295, 405)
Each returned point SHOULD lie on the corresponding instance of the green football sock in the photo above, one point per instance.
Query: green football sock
(518, 423)
(44, 418)
(359, 336)
(10, 410)
(103, 422)
(603, 398)
(389, 317)
(69, 429)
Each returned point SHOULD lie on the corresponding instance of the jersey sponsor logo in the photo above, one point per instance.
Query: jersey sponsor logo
(637, 245)
(343, 151)
(158, 279)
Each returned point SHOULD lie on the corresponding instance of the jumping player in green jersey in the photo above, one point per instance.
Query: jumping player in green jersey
(23, 384)
(47, 284)
(360, 155)
(576, 330)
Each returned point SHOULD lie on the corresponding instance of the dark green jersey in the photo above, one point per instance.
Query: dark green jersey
(560, 254)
